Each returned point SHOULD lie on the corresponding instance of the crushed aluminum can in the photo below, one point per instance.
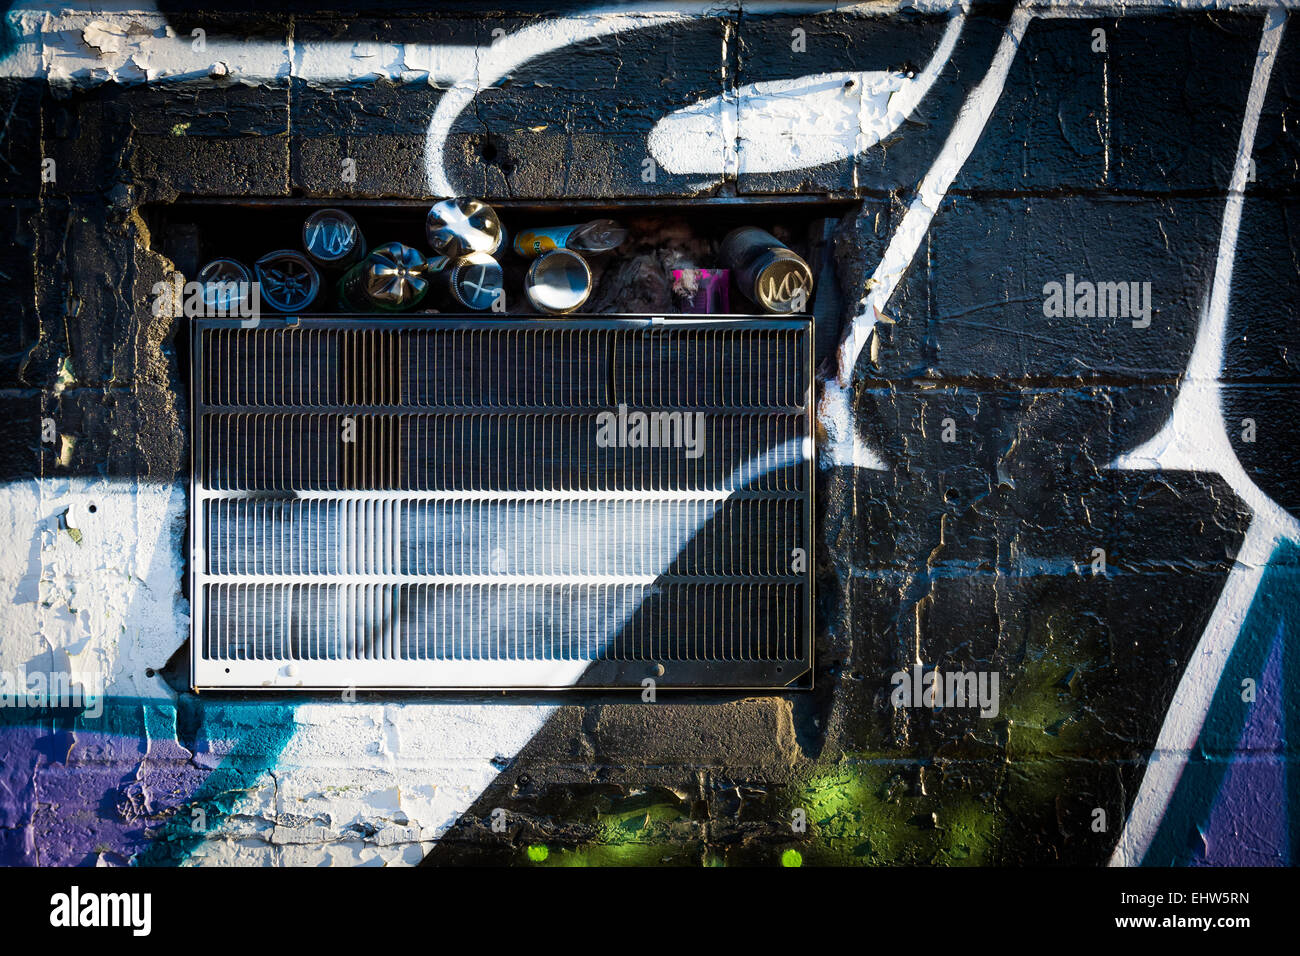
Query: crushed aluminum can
(458, 227)
(558, 282)
(593, 238)
(333, 239)
(288, 280)
(767, 272)
(391, 278)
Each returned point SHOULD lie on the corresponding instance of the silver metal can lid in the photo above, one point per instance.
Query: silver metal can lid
(457, 227)
(558, 282)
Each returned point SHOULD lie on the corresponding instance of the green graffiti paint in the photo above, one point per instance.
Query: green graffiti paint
(871, 809)
(646, 828)
(538, 852)
(859, 814)
(1045, 708)
(880, 805)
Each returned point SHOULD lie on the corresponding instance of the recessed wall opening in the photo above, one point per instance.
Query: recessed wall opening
(635, 278)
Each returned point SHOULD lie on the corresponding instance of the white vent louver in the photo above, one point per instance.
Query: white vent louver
(426, 503)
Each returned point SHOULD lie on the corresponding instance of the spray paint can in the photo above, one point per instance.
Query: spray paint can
(702, 291)
(457, 227)
(474, 282)
(333, 239)
(593, 238)
(288, 280)
(558, 282)
(391, 278)
(227, 286)
(767, 272)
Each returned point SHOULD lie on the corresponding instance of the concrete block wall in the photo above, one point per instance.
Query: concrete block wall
(1099, 508)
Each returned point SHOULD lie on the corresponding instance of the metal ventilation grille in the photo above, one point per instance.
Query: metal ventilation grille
(490, 504)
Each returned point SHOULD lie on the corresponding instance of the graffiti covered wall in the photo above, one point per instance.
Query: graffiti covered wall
(1055, 393)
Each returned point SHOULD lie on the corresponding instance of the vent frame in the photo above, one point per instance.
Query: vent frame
(457, 675)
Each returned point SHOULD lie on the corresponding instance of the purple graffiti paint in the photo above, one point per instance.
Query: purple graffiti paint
(1248, 824)
(76, 798)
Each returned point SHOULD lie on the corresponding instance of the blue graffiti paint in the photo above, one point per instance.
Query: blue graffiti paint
(1204, 803)
(74, 789)
(263, 731)
(8, 31)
